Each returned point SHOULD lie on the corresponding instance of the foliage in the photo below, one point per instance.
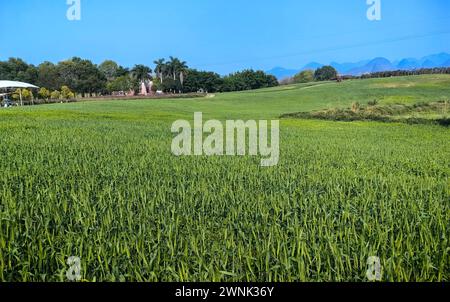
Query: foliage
(248, 80)
(26, 94)
(305, 76)
(44, 93)
(202, 81)
(171, 85)
(85, 78)
(174, 69)
(421, 113)
(155, 87)
(66, 93)
(82, 76)
(16, 69)
(109, 69)
(355, 107)
(48, 76)
(400, 73)
(122, 83)
(141, 72)
(325, 73)
(373, 103)
(55, 95)
(160, 69)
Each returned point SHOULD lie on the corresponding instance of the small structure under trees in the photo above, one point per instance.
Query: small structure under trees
(9, 85)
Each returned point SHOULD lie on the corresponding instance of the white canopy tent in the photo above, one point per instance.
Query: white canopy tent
(14, 84)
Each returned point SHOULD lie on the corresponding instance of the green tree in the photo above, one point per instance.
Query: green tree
(66, 93)
(48, 76)
(30, 75)
(44, 93)
(305, 76)
(123, 83)
(155, 87)
(55, 95)
(247, 80)
(177, 69)
(326, 73)
(11, 69)
(141, 72)
(172, 67)
(171, 85)
(109, 69)
(160, 69)
(22, 95)
(82, 76)
(202, 80)
(16, 69)
(16, 94)
(122, 71)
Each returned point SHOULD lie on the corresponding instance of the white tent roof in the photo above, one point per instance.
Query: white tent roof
(14, 84)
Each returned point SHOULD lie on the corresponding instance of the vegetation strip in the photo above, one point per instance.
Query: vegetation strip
(399, 113)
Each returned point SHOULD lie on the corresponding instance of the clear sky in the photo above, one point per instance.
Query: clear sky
(223, 35)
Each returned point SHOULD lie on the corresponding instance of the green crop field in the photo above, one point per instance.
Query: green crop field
(97, 180)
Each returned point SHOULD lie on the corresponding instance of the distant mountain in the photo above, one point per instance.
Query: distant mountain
(446, 64)
(428, 64)
(345, 67)
(368, 66)
(435, 60)
(376, 65)
(380, 64)
(312, 66)
(282, 73)
(408, 64)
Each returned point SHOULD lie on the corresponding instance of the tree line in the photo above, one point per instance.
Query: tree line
(399, 73)
(325, 73)
(83, 78)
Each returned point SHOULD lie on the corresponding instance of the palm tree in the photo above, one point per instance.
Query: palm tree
(177, 68)
(160, 68)
(173, 67)
(182, 69)
(141, 72)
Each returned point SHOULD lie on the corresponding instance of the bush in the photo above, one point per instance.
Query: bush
(55, 95)
(373, 103)
(26, 94)
(123, 83)
(355, 107)
(44, 94)
(66, 93)
(389, 113)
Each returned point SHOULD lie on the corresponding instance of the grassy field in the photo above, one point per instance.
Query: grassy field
(97, 180)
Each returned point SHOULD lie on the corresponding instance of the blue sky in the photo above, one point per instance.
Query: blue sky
(223, 35)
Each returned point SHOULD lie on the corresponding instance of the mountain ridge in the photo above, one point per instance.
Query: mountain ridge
(378, 64)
